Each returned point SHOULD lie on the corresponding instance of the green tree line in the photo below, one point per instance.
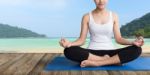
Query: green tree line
(138, 26)
(7, 31)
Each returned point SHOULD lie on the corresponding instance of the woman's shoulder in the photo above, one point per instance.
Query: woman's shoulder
(86, 16)
(114, 14)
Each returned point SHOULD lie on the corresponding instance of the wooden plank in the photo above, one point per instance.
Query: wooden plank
(148, 72)
(55, 73)
(100, 73)
(14, 67)
(63, 73)
(128, 72)
(42, 63)
(86, 73)
(6, 57)
(49, 73)
(114, 73)
(90, 72)
(141, 73)
(75, 73)
(10, 62)
(95, 73)
(29, 65)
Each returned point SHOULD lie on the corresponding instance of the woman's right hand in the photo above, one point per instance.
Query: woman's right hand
(64, 43)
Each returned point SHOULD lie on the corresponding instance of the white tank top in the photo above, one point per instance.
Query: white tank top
(101, 34)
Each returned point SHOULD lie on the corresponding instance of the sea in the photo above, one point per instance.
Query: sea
(45, 45)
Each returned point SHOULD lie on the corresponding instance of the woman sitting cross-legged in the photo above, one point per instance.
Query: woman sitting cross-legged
(102, 24)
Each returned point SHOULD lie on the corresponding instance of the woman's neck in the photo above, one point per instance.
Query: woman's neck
(100, 11)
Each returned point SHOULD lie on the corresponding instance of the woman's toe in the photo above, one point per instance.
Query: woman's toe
(83, 63)
(107, 56)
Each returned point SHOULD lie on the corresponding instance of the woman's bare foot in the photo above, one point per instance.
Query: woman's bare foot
(96, 58)
(94, 61)
(86, 63)
(110, 61)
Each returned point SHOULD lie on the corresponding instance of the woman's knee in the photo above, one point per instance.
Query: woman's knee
(130, 54)
(134, 50)
(76, 53)
(70, 50)
(137, 51)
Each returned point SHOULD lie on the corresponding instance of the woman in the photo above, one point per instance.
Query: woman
(102, 25)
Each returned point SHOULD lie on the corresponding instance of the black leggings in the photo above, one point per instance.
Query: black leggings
(126, 54)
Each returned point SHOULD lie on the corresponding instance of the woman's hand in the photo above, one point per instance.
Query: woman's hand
(139, 41)
(64, 43)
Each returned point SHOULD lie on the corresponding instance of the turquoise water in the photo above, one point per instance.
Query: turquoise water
(41, 44)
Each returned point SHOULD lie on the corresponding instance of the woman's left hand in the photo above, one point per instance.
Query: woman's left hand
(139, 41)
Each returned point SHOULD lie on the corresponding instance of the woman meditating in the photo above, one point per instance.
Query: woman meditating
(102, 25)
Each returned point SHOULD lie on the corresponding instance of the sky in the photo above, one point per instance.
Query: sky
(62, 18)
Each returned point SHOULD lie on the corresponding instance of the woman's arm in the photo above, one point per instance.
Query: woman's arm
(83, 34)
(119, 39)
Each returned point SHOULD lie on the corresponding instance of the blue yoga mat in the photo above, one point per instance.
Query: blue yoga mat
(61, 63)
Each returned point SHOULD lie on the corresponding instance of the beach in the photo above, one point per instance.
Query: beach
(47, 45)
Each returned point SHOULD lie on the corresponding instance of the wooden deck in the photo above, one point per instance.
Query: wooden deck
(33, 64)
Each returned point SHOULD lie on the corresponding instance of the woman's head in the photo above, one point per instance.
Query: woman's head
(100, 4)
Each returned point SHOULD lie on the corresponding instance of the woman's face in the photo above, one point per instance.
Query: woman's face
(100, 3)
